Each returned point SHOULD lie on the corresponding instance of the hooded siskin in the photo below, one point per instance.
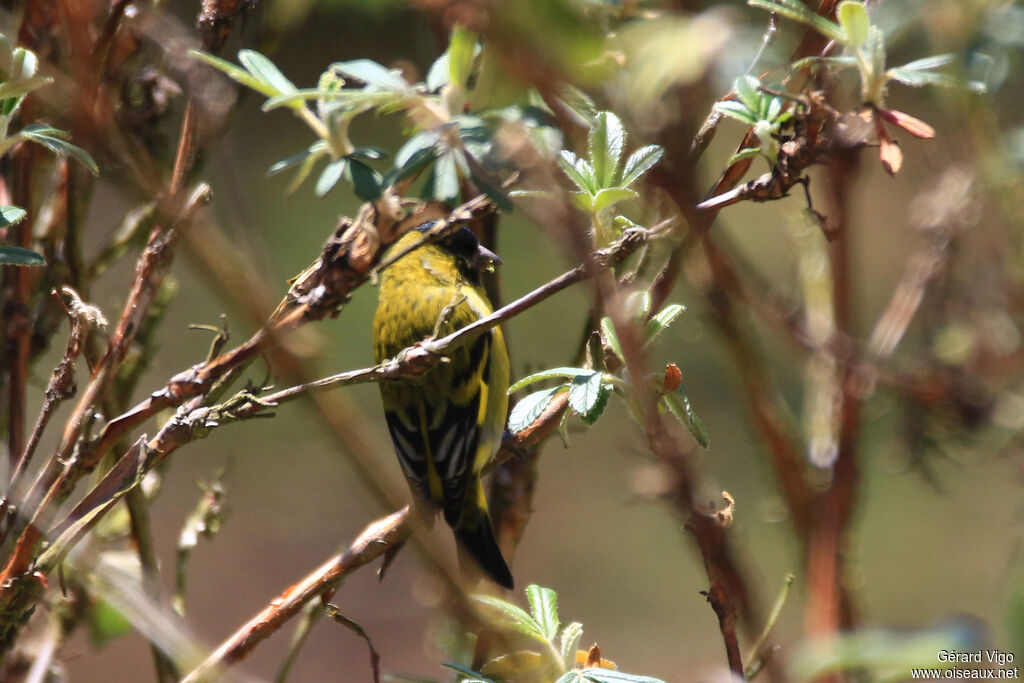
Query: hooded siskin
(448, 424)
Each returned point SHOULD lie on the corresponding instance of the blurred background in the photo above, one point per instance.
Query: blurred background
(937, 523)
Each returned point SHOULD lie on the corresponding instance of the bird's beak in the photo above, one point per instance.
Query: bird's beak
(484, 259)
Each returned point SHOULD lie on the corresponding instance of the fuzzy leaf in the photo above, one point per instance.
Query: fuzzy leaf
(19, 256)
(679, 405)
(735, 110)
(513, 617)
(22, 86)
(605, 143)
(795, 10)
(544, 606)
(610, 196)
(748, 90)
(578, 170)
(853, 19)
(563, 372)
(639, 162)
(529, 408)
(569, 641)
(928, 63)
(55, 141)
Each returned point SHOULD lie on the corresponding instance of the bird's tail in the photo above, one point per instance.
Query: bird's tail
(475, 537)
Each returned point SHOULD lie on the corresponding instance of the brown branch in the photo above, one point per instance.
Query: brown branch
(380, 539)
(62, 380)
(377, 539)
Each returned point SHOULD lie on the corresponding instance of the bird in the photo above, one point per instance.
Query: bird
(447, 424)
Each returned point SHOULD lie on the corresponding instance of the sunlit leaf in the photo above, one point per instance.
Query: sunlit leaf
(461, 50)
(371, 73)
(9, 215)
(563, 372)
(588, 396)
(610, 196)
(853, 18)
(266, 72)
(529, 408)
(748, 90)
(660, 321)
(639, 162)
(22, 86)
(544, 606)
(604, 145)
(579, 171)
(568, 642)
(797, 11)
(330, 176)
(513, 617)
(55, 140)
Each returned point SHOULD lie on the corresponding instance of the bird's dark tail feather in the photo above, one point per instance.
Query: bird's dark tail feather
(476, 538)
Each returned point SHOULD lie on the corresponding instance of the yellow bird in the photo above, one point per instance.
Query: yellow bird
(446, 425)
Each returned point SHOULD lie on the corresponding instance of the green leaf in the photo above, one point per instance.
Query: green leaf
(462, 49)
(840, 61)
(928, 63)
(563, 372)
(266, 72)
(9, 215)
(917, 79)
(735, 110)
(604, 145)
(319, 150)
(588, 396)
(285, 164)
(748, 90)
(610, 196)
(375, 76)
(579, 171)
(22, 86)
(236, 73)
(678, 404)
(437, 74)
(366, 182)
(745, 153)
(609, 337)
(330, 176)
(795, 10)
(513, 617)
(445, 185)
(569, 642)
(529, 408)
(426, 139)
(19, 256)
(55, 140)
(853, 19)
(639, 162)
(579, 102)
(544, 607)
(665, 317)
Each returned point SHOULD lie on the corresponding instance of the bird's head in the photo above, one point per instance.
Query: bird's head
(457, 255)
